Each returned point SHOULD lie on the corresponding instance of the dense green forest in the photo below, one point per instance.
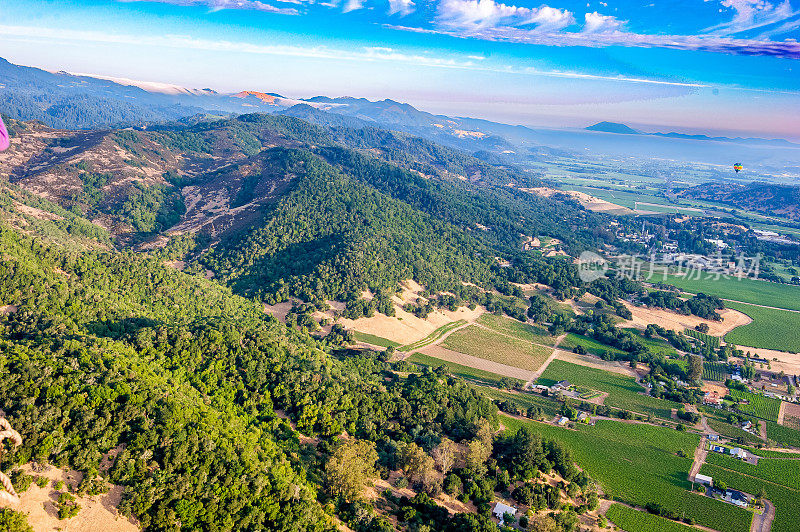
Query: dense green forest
(111, 349)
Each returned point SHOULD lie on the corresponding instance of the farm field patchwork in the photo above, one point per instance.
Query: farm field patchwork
(635, 521)
(760, 406)
(620, 455)
(787, 511)
(517, 329)
(720, 425)
(459, 370)
(489, 345)
(770, 328)
(623, 391)
(745, 290)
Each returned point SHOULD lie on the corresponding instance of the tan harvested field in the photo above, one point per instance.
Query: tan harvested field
(789, 414)
(97, 513)
(643, 316)
(497, 347)
(504, 370)
(405, 328)
(789, 363)
(589, 202)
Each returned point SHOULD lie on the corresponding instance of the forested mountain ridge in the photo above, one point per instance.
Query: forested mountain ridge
(293, 209)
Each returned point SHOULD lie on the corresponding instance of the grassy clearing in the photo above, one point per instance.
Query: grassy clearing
(770, 328)
(517, 329)
(459, 370)
(623, 391)
(635, 521)
(432, 337)
(787, 511)
(373, 339)
(639, 464)
(746, 290)
(572, 340)
(489, 345)
(760, 406)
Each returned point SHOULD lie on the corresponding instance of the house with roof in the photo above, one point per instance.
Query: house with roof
(712, 398)
(718, 449)
(560, 386)
(500, 510)
(713, 437)
(562, 420)
(738, 452)
(736, 497)
(584, 417)
(704, 479)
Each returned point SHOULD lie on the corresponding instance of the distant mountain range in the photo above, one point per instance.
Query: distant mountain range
(82, 101)
(622, 129)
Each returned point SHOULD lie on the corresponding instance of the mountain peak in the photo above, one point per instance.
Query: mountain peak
(613, 127)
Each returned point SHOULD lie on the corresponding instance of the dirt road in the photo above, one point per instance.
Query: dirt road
(763, 522)
(699, 458)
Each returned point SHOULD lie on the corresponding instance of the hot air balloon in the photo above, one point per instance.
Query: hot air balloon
(737, 167)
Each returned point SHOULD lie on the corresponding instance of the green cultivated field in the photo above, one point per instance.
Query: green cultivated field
(459, 370)
(783, 435)
(572, 340)
(711, 341)
(770, 328)
(746, 290)
(787, 510)
(719, 424)
(655, 345)
(760, 406)
(638, 464)
(623, 391)
(785, 471)
(636, 521)
(517, 329)
(490, 345)
(374, 340)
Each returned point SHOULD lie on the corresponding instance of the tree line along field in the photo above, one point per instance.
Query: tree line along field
(770, 328)
(497, 347)
(524, 400)
(785, 499)
(639, 464)
(753, 291)
(760, 406)
(623, 391)
(640, 521)
(714, 371)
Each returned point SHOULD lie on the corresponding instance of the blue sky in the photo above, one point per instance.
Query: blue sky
(729, 66)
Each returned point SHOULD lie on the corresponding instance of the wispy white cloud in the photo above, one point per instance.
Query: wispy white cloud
(218, 5)
(401, 7)
(754, 14)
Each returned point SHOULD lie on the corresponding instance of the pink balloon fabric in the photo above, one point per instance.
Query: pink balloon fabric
(4, 142)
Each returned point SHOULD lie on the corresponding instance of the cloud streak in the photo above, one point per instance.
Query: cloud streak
(218, 5)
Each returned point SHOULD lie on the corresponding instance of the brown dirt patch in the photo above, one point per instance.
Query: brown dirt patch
(96, 514)
(8, 309)
(643, 316)
(589, 202)
(789, 363)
